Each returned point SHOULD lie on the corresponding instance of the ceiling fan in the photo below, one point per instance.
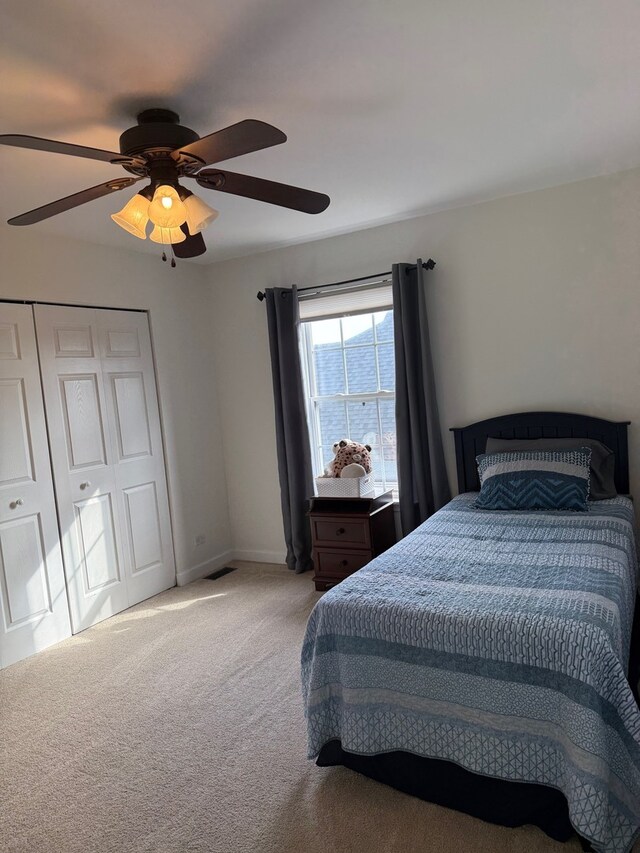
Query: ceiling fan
(161, 149)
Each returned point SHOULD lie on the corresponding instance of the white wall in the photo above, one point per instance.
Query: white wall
(534, 304)
(38, 267)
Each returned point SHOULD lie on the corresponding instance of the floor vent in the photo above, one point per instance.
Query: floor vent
(220, 573)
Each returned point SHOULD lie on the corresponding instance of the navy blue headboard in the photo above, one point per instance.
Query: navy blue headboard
(471, 440)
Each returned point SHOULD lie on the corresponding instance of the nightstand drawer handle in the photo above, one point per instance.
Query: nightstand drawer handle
(344, 563)
(340, 531)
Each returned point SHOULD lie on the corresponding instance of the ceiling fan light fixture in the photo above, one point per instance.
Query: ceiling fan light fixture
(166, 210)
(163, 151)
(134, 216)
(199, 214)
(167, 235)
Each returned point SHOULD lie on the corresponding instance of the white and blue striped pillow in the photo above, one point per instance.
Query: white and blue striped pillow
(534, 479)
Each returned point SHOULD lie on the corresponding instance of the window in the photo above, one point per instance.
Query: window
(350, 376)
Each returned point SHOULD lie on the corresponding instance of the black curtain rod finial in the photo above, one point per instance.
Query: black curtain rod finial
(261, 295)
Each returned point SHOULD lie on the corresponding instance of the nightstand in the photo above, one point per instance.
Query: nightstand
(347, 533)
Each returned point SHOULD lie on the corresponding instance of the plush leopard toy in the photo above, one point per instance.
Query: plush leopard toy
(351, 459)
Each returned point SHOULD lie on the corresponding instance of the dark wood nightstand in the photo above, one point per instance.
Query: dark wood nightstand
(347, 533)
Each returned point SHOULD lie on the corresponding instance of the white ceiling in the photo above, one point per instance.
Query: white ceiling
(392, 108)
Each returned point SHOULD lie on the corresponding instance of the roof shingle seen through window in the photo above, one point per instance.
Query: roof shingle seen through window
(362, 370)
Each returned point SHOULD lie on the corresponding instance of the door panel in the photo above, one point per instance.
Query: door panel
(131, 415)
(121, 343)
(82, 420)
(99, 383)
(9, 347)
(96, 531)
(73, 341)
(33, 599)
(143, 519)
(16, 462)
(23, 570)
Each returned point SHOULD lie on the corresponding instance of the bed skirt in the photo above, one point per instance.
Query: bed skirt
(449, 785)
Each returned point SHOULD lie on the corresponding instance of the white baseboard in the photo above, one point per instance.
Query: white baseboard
(203, 569)
(278, 557)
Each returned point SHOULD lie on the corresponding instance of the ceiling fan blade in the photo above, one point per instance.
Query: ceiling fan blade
(193, 246)
(18, 140)
(240, 138)
(270, 192)
(62, 204)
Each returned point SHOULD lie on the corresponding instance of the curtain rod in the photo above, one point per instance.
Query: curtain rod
(72, 305)
(427, 265)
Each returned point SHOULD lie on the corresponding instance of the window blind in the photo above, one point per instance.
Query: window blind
(346, 302)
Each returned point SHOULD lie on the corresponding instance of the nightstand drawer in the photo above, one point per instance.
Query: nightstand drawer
(336, 564)
(340, 532)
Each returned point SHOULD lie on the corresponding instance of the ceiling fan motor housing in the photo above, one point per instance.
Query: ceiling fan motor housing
(156, 129)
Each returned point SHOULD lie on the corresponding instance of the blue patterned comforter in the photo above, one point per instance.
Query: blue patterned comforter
(496, 640)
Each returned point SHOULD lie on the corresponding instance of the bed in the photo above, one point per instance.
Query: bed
(484, 662)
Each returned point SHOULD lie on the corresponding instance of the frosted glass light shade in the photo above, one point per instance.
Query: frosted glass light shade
(199, 214)
(167, 235)
(166, 210)
(134, 216)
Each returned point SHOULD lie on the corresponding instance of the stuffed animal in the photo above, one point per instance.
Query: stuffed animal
(351, 459)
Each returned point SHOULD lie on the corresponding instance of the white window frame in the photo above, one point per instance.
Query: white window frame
(313, 399)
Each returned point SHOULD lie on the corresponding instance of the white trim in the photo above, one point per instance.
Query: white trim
(276, 557)
(203, 569)
(208, 566)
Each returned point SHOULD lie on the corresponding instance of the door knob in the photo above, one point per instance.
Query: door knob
(85, 485)
(17, 502)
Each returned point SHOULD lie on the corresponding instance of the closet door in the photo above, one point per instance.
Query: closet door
(83, 463)
(32, 590)
(99, 389)
(136, 447)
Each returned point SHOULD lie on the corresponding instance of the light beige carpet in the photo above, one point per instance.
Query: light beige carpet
(178, 726)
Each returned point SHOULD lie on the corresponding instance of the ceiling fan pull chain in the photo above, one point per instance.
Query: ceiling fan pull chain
(173, 259)
(164, 256)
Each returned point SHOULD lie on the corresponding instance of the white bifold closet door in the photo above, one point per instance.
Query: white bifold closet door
(32, 589)
(106, 448)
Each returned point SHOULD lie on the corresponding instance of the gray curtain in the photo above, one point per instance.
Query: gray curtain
(422, 476)
(294, 453)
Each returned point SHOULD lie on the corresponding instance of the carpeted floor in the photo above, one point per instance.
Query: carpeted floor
(178, 726)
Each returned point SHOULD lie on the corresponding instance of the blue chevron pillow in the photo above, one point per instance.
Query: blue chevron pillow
(534, 479)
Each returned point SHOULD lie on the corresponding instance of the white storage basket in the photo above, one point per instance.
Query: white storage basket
(345, 487)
